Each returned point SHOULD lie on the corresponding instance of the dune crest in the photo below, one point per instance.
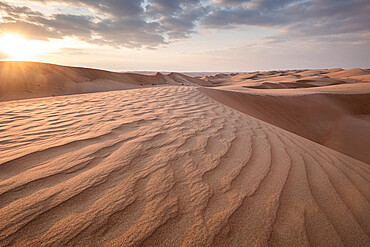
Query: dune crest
(338, 121)
(328, 106)
(170, 166)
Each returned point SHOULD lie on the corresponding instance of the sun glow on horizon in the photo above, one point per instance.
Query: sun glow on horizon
(19, 48)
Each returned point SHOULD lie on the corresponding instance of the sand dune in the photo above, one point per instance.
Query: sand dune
(291, 78)
(357, 74)
(21, 80)
(348, 73)
(272, 158)
(170, 166)
(329, 107)
(338, 121)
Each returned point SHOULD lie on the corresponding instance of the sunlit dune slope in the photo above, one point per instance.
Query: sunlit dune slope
(348, 73)
(355, 74)
(170, 166)
(290, 78)
(30, 79)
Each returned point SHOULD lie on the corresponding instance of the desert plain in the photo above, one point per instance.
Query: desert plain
(98, 158)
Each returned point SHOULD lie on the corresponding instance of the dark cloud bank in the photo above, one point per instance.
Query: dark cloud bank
(139, 23)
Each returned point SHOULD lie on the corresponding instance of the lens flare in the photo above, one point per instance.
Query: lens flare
(19, 48)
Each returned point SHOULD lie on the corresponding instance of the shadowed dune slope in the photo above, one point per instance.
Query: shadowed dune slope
(338, 121)
(19, 80)
(170, 166)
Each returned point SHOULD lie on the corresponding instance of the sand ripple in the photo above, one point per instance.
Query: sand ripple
(169, 166)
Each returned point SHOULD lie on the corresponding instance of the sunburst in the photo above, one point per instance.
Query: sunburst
(19, 48)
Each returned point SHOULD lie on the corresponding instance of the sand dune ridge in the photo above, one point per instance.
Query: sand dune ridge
(170, 165)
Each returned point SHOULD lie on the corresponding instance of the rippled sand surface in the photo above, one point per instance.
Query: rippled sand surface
(169, 166)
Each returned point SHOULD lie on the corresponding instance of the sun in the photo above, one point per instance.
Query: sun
(19, 48)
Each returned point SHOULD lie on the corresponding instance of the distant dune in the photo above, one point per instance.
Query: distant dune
(191, 74)
(21, 80)
(277, 158)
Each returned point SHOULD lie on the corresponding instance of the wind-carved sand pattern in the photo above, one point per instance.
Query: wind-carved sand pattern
(169, 166)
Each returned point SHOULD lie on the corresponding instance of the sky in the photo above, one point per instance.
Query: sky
(188, 35)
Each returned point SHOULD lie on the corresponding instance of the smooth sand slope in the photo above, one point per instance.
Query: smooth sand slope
(338, 121)
(170, 166)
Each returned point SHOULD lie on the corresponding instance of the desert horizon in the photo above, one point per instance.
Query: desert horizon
(185, 123)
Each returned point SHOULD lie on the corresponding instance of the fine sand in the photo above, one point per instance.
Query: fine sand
(176, 165)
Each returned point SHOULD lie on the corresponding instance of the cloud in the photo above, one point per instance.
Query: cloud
(151, 23)
(313, 17)
(177, 18)
(30, 30)
(71, 51)
(112, 22)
